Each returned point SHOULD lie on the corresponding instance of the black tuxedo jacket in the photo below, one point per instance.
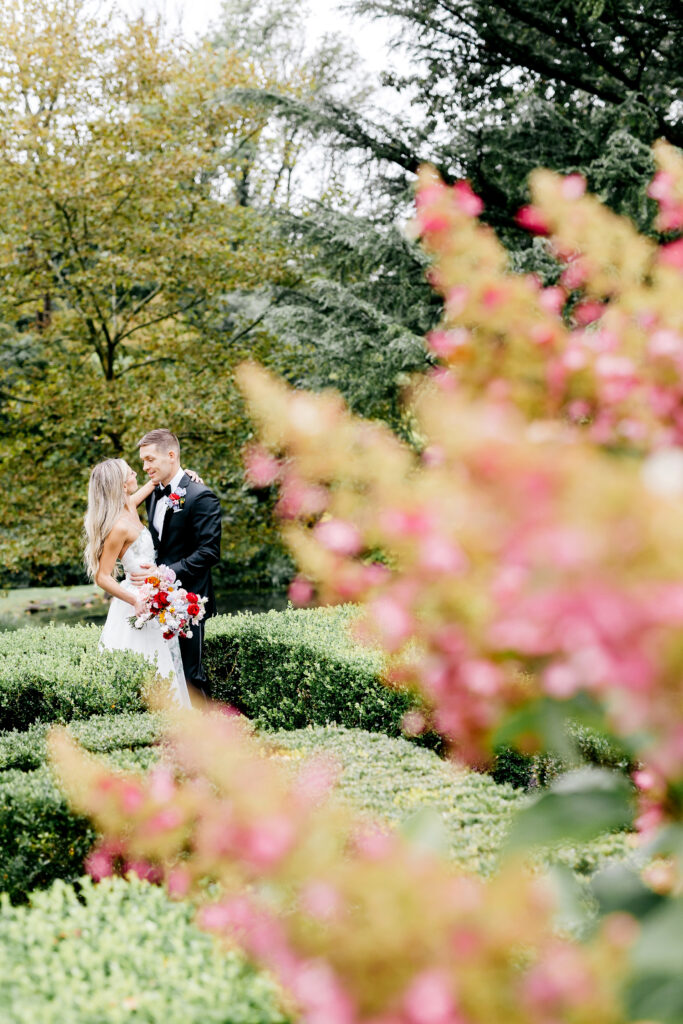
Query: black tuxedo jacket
(190, 541)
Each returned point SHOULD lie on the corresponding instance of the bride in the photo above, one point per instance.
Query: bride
(113, 531)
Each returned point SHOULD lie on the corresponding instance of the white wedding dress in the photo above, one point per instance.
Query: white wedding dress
(119, 635)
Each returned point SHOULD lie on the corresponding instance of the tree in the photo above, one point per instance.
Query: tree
(119, 220)
(504, 86)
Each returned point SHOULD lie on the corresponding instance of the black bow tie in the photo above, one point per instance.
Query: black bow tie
(163, 491)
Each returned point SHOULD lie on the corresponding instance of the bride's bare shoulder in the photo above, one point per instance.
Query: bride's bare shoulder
(121, 531)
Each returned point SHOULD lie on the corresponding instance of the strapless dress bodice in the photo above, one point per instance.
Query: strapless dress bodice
(141, 552)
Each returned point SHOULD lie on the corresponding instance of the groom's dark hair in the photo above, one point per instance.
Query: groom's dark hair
(161, 439)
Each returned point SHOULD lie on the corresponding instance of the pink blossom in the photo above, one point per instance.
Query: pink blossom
(542, 334)
(671, 255)
(575, 274)
(560, 980)
(144, 870)
(437, 554)
(552, 299)
(578, 410)
(394, 623)
(644, 780)
(161, 784)
(398, 522)
(339, 536)
(665, 343)
(100, 863)
(321, 899)
(216, 917)
(374, 844)
(178, 882)
(298, 498)
(561, 681)
(433, 455)
(321, 995)
(314, 781)
(480, 677)
(456, 300)
(429, 999)
(431, 222)
(661, 186)
(670, 217)
(131, 797)
(413, 723)
(573, 186)
(163, 821)
(262, 468)
(268, 841)
(446, 343)
(300, 592)
(492, 298)
(587, 312)
(375, 574)
(532, 219)
(466, 199)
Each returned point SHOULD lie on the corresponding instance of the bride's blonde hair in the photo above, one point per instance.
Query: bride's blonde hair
(106, 501)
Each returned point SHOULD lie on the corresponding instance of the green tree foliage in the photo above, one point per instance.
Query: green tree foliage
(502, 86)
(120, 226)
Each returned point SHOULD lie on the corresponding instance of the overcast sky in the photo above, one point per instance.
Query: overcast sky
(195, 16)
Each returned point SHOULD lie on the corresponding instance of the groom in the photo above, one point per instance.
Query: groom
(185, 522)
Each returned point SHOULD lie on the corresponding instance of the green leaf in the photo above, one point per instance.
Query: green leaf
(426, 830)
(659, 948)
(619, 889)
(580, 805)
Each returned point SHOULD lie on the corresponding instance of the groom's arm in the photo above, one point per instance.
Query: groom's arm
(206, 525)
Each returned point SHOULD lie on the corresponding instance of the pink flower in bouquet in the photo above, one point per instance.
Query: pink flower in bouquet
(166, 601)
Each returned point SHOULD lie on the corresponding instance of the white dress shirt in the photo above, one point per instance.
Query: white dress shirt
(163, 503)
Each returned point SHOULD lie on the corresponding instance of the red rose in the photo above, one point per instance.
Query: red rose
(193, 609)
(167, 635)
(162, 599)
(174, 497)
(192, 598)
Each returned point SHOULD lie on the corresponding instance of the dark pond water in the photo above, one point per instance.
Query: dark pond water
(228, 603)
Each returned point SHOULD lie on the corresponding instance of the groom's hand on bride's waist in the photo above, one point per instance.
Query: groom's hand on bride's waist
(138, 578)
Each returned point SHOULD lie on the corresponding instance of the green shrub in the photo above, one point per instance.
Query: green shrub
(42, 838)
(58, 674)
(590, 747)
(27, 749)
(287, 670)
(467, 813)
(122, 951)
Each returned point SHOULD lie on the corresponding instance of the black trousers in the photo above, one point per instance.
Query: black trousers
(191, 649)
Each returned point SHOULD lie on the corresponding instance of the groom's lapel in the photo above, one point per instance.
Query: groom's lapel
(150, 519)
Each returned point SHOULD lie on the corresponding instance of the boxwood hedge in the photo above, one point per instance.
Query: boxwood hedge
(121, 951)
(289, 669)
(42, 839)
(387, 777)
(58, 673)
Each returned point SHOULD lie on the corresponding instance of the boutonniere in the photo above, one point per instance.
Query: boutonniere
(176, 499)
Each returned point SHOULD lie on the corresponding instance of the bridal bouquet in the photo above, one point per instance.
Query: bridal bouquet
(175, 608)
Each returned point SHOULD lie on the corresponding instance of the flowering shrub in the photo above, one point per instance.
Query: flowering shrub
(516, 572)
(602, 348)
(358, 924)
